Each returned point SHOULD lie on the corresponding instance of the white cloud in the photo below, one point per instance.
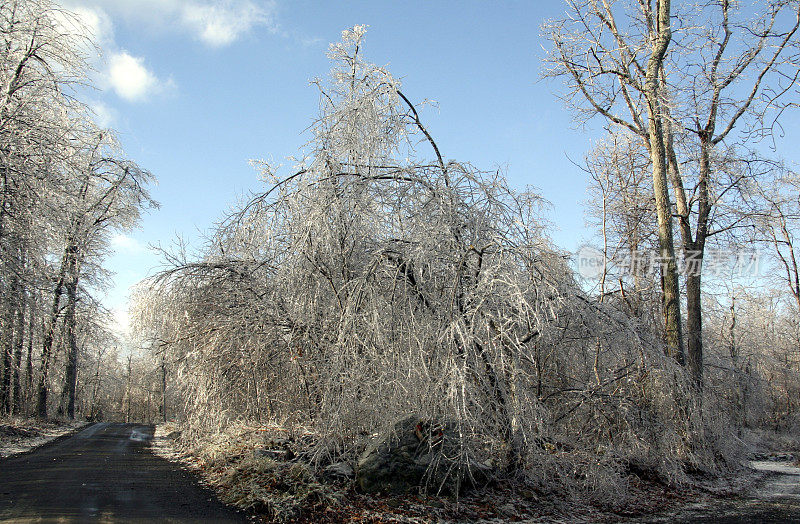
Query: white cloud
(221, 24)
(96, 23)
(217, 23)
(90, 23)
(130, 79)
(104, 115)
(125, 74)
(128, 245)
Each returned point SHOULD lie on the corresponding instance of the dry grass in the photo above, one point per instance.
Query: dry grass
(284, 491)
(233, 462)
(287, 490)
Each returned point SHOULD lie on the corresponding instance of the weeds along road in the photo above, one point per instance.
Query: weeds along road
(107, 473)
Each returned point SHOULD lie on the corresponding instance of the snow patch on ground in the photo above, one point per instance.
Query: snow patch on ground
(19, 435)
(138, 436)
(163, 441)
(785, 481)
(775, 467)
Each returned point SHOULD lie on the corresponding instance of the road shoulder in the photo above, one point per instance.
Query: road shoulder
(19, 435)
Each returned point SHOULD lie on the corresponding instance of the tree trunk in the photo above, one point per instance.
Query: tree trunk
(47, 342)
(6, 343)
(71, 373)
(19, 342)
(96, 387)
(164, 388)
(7, 340)
(694, 252)
(29, 357)
(669, 272)
(128, 392)
(694, 329)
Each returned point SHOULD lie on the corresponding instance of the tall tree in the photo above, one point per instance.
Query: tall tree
(730, 68)
(40, 62)
(616, 72)
(64, 184)
(110, 196)
(734, 72)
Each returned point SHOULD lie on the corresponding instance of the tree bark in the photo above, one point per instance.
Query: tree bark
(128, 392)
(669, 272)
(96, 388)
(19, 341)
(694, 252)
(7, 340)
(71, 372)
(694, 329)
(29, 357)
(164, 387)
(47, 342)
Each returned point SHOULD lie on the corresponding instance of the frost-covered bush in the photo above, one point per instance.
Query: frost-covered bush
(373, 283)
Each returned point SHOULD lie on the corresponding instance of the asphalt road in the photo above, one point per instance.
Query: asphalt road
(775, 500)
(104, 473)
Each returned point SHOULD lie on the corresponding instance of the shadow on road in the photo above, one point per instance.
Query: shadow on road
(104, 473)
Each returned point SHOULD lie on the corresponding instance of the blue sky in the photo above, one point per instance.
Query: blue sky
(197, 88)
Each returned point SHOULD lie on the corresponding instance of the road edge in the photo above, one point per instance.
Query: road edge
(28, 444)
